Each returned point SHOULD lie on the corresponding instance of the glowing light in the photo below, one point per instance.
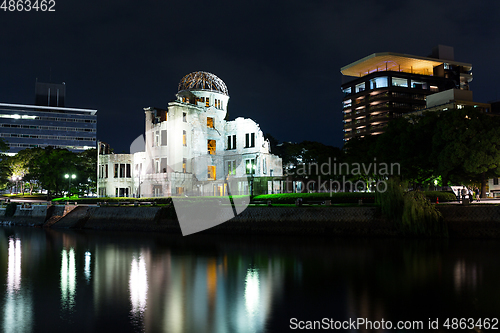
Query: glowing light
(138, 285)
(252, 291)
(86, 269)
(14, 268)
(68, 279)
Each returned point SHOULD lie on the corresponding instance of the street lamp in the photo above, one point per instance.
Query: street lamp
(69, 177)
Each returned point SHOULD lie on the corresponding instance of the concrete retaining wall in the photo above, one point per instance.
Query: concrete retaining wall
(462, 221)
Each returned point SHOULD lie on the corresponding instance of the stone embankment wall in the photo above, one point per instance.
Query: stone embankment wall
(462, 221)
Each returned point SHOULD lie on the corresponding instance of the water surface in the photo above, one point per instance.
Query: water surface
(70, 281)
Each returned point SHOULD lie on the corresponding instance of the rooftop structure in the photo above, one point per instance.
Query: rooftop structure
(387, 85)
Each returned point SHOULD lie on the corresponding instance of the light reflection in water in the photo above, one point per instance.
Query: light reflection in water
(18, 312)
(252, 292)
(14, 270)
(138, 285)
(87, 266)
(68, 279)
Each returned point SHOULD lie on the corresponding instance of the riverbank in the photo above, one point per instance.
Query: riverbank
(474, 221)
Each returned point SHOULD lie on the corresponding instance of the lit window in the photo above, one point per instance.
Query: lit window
(399, 82)
(378, 82)
(231, 167)
(250, 166)
(211, 172)
(360, 87)
(210, 122)
(207, 102)
(184, 140)
(184, 161)
(211, 147)
(347, 91)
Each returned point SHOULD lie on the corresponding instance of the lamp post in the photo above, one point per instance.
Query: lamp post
(69, 177)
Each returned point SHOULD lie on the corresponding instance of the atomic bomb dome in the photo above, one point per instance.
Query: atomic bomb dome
(202, 81)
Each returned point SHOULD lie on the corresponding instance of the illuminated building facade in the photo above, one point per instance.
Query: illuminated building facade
(31, 126)
(387, 85)
(191, 148)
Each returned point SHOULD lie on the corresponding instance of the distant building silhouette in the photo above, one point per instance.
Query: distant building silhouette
(50, 94)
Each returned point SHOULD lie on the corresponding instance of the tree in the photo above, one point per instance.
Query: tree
(467, 146)
(4, 165)
(50, 166)
(86, 162)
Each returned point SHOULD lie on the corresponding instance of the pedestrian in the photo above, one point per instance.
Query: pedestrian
(464, 193)
(458, 195)
(471, 196)
(478, 195)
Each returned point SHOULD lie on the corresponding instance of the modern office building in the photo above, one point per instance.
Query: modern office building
(387, 85)
(44, 124)
(190, 148)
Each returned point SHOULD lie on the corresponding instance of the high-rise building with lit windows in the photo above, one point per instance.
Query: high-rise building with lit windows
(48, 122)
(387, 85)
(31, 126)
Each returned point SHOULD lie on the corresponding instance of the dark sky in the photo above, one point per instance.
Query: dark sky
(280, 60)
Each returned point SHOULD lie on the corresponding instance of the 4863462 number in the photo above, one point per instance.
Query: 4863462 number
(28, 5)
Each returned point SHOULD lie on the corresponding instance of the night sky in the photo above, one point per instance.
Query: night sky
(280, 60)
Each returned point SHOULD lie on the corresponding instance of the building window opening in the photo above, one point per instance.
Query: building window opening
(360, 87)
(207, 102)
(116, 170)
(250, 166)
(211, 147)
(231, 142)
(211, 172)
(231, 167)
(347, 91)
(249, 140)
(184, 162)
(399, 82)
(419, 84)
(378, 82)
(184, 117)
(210, 122)
(184, 140)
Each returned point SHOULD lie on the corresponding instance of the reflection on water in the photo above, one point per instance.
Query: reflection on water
(68, 279)
(17, 307)
(100, 282)
(138, 285)
(86, 270)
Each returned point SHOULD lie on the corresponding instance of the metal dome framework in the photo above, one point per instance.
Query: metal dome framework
(202, 81)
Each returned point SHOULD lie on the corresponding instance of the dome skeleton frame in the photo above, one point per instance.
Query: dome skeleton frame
(202, 81)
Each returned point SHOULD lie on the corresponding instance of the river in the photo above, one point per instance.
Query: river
(95, 281)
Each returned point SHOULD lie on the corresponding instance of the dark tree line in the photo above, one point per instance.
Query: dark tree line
(454, 147)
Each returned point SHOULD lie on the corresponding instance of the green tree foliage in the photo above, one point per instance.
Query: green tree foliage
(420, 217)
(50, 166)
(467, 146)
(86, 162)
(4, 165)
(458, 145)
(19, 165)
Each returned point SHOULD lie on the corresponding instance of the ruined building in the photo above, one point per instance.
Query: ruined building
(190, 148)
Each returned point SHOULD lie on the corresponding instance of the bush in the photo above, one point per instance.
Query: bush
(391, 201)
(420, 216)
(339, 197)
(10, 209)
